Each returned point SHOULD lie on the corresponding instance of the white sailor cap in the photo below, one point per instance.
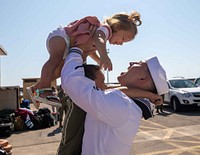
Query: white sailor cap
(158, 75)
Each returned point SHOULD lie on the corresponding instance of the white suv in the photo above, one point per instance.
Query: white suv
(182, 92)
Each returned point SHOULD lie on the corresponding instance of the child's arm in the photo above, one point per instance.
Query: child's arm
(95, 57)
(99, 38)
(100, 42)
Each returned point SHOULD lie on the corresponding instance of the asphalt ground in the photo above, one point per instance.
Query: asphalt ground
(168, 133)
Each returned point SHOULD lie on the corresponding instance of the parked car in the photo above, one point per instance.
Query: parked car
(182, 92)
(197, 81)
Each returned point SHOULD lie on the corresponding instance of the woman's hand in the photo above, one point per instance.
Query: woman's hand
(4, 144)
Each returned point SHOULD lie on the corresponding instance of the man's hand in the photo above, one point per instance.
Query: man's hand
(156, 99)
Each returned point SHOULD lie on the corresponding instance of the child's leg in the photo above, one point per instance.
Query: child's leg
(57, 72)
(57, 46)
(57, 43)
(51, 69)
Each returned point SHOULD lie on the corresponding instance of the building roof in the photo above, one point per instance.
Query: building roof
(2, 50)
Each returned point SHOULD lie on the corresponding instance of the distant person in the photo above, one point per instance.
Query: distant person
(159, 108)
(54, 92)
(117, 29)
(24, 103)
(113, 118)
(64, 99)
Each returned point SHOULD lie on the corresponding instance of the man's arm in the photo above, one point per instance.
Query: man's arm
(104, 105)
(139, 93)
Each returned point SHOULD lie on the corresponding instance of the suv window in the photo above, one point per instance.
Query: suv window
(182, 83)
(197, 81)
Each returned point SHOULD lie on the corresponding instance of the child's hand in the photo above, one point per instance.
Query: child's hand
(105, 63)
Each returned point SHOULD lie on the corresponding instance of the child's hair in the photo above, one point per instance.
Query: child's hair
(124, 21)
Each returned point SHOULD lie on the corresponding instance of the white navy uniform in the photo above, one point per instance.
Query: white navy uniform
(112, 119)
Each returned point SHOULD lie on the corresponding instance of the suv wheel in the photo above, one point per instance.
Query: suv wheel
(176, 105)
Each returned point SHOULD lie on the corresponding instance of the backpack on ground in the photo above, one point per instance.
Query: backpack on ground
(45, 117)
(6, 122)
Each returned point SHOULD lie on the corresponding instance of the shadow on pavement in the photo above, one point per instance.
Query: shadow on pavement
(54, 132)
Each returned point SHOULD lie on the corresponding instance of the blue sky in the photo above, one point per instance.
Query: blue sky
(170, 30)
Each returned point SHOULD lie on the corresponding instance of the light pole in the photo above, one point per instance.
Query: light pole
(108, 51)
(2, 52)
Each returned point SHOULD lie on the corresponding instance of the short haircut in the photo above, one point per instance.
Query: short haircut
(91, 70)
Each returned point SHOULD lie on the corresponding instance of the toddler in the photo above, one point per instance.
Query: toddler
(88, 31)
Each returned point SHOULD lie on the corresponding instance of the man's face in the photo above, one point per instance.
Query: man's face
(136, 72)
